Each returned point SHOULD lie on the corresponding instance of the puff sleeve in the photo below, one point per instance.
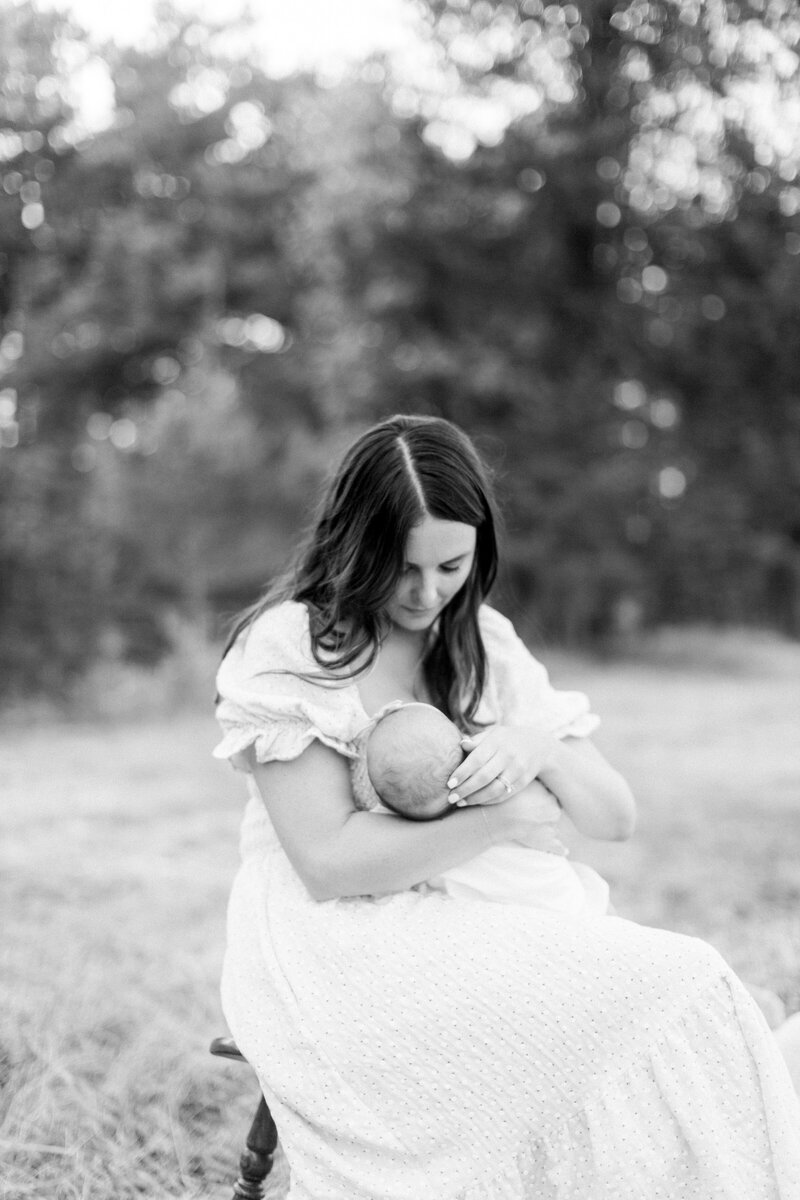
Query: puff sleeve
(520, 687)
(267, 701)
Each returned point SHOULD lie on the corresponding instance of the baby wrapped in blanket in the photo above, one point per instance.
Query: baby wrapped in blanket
(411, 751)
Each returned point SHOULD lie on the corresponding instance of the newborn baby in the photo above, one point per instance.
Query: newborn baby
(410, 754)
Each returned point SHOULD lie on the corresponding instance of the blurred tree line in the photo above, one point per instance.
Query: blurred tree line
(576, 233)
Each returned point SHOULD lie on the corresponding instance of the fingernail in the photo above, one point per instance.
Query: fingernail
(454, 798)
(452, 782)
(460, 803)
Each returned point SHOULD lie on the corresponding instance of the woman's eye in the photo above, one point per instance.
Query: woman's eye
(451, 570)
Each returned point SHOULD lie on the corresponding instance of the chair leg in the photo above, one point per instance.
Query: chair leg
(256, 1161)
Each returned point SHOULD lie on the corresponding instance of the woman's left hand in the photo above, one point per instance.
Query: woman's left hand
(500, 762)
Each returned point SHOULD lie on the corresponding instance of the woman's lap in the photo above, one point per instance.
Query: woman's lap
(424, 1023)
(422, 972)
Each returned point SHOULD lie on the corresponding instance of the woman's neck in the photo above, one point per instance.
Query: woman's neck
(397, 671)
(407, 641)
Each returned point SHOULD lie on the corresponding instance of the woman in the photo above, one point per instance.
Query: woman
(414, 1046)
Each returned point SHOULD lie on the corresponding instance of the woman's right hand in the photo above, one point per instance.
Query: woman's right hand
(530, 817)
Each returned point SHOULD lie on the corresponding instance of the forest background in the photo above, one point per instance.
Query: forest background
(574, 229)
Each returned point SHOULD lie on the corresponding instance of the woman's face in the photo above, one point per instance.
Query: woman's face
(438, 560)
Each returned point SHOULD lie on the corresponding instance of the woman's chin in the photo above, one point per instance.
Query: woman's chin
(414, 620)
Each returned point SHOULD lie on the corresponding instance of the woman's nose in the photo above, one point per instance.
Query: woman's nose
(426, 591)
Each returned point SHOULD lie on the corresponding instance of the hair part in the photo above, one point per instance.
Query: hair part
(412, 473)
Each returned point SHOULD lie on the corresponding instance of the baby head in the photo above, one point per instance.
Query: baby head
(411, 753)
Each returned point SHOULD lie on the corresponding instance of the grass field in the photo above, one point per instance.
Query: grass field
(119, 845)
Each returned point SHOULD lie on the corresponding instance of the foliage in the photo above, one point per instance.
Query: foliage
(578, 237)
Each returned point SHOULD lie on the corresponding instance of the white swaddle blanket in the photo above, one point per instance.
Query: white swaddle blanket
(515, 874)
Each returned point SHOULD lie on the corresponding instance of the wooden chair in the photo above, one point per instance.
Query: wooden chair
(256, 1160)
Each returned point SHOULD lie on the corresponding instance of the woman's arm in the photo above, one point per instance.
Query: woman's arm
(338, 851)
(593, 795)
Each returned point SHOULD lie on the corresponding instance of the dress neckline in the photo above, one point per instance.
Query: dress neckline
(350, 684)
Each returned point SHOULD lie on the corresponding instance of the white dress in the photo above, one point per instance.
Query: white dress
(422, 1047)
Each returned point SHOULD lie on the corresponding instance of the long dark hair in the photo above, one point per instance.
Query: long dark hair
(393, 476)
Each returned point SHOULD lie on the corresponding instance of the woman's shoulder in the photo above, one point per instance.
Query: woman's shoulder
(497, 631)
(287, 616)
(505, 649)
(522, 686)
(273, 693)
(277, 637)
(493, 622)
(274, 647)
(506, 653)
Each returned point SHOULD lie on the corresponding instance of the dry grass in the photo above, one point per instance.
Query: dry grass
(706, 731)
(120, 843)
(119, 848)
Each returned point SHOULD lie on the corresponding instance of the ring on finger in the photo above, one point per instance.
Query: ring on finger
(502, 779)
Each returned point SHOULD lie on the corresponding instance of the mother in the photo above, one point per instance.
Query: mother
(414, 1046)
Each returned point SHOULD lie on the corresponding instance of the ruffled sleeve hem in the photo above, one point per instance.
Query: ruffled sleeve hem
(274, 697)
(520, 686)
(279, 743)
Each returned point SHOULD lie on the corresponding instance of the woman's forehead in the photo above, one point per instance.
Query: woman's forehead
(435, 541)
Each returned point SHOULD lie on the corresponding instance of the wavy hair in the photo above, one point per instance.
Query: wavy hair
(394, 475)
